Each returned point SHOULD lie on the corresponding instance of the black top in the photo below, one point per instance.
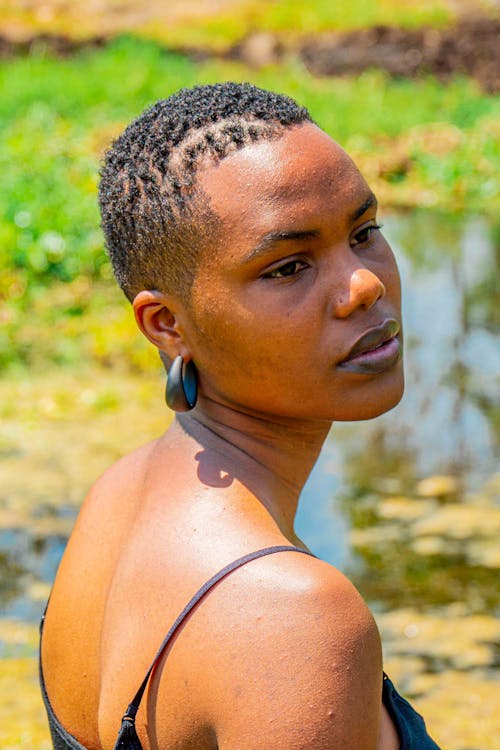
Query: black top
(409, 724)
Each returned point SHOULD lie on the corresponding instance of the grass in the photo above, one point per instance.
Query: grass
(420, 143)
(295, 16)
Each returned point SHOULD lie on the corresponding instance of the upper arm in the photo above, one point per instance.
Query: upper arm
(295, 665)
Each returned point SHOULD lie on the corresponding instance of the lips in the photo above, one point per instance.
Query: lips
(375, 351)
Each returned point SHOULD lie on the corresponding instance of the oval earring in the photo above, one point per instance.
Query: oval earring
(182, 385)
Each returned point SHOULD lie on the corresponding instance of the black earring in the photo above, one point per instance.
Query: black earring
(182, 385)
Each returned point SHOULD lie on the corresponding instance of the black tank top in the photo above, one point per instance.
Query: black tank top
(409, 724)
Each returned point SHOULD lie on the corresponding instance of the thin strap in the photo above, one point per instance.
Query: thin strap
(134, 705)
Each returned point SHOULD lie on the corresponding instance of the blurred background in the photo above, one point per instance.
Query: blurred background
(406, 505)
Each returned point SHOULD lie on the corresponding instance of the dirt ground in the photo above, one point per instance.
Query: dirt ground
(471, 47)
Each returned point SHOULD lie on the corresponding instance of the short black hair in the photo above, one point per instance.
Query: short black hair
(153, 217)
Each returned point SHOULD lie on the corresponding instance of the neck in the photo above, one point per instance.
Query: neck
(271, 457)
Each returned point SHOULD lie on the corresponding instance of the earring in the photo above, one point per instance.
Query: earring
(182, 385)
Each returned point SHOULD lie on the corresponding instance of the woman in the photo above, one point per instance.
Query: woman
(247, 242)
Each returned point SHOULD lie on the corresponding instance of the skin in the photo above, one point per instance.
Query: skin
(293, 658)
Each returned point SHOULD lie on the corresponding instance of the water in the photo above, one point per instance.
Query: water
(447, 424)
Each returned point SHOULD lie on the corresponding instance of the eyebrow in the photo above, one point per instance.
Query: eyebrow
(370, 201)
(271, 238)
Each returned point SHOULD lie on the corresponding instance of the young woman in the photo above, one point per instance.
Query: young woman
(247, 241)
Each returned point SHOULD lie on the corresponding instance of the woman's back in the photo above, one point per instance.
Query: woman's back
(128, 572)
(73, 629)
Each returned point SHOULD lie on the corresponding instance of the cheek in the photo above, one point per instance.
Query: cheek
(384, 265)
(241, 343)
(244, 353)
(220, 335)
(393, 277)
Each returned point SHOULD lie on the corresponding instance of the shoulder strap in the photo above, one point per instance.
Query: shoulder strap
(134, 705)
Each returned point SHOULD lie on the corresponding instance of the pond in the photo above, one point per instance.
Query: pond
(406, 505)
(445, 429)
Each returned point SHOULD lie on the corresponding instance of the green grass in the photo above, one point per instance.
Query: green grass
(418, 142)
(296, 16)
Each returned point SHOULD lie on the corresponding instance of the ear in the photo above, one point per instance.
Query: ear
(156, 315)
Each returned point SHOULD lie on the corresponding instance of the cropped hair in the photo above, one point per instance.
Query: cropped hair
(155, 220)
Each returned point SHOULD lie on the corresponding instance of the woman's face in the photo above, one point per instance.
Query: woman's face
(296, 313)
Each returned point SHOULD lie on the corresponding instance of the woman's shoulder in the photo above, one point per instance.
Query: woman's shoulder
(120, 479)
(290, 637)
(127, 467)
(306, 588)
(302, 604)
(105, 517)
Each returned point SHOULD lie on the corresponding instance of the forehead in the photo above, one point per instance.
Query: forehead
(293, 178)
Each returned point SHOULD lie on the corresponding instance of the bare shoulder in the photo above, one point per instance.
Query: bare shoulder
(125, 473)
(306, 588)
(95, 543)
(120, 484)
(296, 658)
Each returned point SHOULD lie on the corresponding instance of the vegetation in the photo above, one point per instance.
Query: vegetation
(219, 25)
(420, 143)
(291, 17)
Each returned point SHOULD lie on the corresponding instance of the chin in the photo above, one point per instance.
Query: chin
(373, 401)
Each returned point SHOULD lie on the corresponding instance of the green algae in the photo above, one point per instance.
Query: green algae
(62, 428)
(22, 717)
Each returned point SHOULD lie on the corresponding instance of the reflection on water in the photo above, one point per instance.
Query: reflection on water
(365, 508)
(407, 504)
(446, 421)
(414, 542)
(27, 568)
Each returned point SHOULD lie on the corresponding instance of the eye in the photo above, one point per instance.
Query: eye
(291, 268)
(364, 235)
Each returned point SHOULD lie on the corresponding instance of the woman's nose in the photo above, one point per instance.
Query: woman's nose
(363, 290)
